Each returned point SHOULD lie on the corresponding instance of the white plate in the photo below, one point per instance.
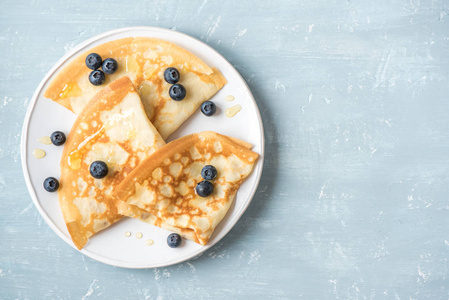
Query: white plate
(111, 246)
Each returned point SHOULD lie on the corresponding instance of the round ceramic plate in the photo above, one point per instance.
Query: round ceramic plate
(112, 246)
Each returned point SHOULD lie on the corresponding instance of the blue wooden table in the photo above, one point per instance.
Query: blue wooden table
(353, 201)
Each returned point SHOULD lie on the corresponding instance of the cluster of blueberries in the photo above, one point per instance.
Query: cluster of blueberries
(178, 92)
(205, 187)
(94, 61)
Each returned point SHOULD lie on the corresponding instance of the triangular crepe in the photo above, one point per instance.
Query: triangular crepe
(164, 184)
(144, 60)
(113, 128)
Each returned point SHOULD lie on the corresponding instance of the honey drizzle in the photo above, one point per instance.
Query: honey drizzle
(71, 89)
(232, 111)
(75, 157)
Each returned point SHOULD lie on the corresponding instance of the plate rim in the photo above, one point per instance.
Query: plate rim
(24, 138)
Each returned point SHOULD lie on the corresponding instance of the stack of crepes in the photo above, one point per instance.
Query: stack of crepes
(124, 123)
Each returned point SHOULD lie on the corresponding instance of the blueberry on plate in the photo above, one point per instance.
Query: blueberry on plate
(109, 66)
(97, 77)
(177, 92)
(51, 184)
(171, 75)
(204, 188)
(174, 240)
(98, 169)
(58, 138)
(209, 172)
(93, 61)
(208, 108)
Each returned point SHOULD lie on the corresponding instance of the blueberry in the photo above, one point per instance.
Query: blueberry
(177, 92)
(204, 188)
(51, 184)
(109, 66)
(208, 108)
(209, 172)
(98, 169)
(174, 240)
(171, 75)
(93, 61)
(58, 138)
(97, 77)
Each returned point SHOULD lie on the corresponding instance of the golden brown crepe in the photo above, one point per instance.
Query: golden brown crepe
(113, 128)
(144, 61)
(163, 185)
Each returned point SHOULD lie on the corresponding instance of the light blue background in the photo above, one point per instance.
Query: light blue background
(353, 201)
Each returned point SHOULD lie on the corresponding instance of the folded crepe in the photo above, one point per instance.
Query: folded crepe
(144, 61)
(112, 128)
(163, 185)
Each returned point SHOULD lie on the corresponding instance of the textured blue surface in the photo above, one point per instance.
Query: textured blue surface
(353, 202)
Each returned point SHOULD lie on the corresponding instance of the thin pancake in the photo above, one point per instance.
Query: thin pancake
(164, 184)
(144, 61)
(112, 128)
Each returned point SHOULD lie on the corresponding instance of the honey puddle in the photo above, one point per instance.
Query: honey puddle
(38, 153)
(44, 140)
(232, 111)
